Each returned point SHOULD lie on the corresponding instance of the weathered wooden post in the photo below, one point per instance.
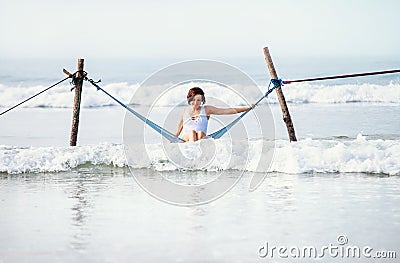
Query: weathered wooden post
(77, 103)
(285, 111)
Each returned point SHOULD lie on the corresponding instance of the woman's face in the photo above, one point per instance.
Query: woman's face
(197, 100)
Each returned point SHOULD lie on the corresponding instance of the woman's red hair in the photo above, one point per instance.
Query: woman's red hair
(195, 91)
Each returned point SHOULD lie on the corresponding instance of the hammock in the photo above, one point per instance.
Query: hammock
(172, 137)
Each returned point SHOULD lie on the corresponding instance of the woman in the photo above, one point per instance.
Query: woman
(194, 121)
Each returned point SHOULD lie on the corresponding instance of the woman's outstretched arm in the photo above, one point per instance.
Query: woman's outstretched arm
(225, 111)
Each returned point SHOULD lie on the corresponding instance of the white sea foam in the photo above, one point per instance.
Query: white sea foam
(304, 156)
(62, 97)
(359, 155)
(55, 159)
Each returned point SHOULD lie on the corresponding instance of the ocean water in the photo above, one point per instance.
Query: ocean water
(340, 180)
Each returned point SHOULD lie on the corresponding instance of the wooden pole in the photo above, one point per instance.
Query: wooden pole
(77, 103)
(285, 111)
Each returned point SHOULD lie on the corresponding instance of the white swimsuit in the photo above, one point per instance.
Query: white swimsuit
(195, 123)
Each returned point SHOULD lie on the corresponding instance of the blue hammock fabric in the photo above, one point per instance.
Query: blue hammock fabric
(218, 134)
(168, 135)
(172, 137)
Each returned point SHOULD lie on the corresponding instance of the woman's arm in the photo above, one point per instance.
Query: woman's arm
(180, 126)
(224, 111)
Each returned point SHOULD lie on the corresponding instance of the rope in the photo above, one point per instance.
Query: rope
(37, 94)
(343, 76)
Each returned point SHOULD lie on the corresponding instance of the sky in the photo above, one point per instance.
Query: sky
(198, 29)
